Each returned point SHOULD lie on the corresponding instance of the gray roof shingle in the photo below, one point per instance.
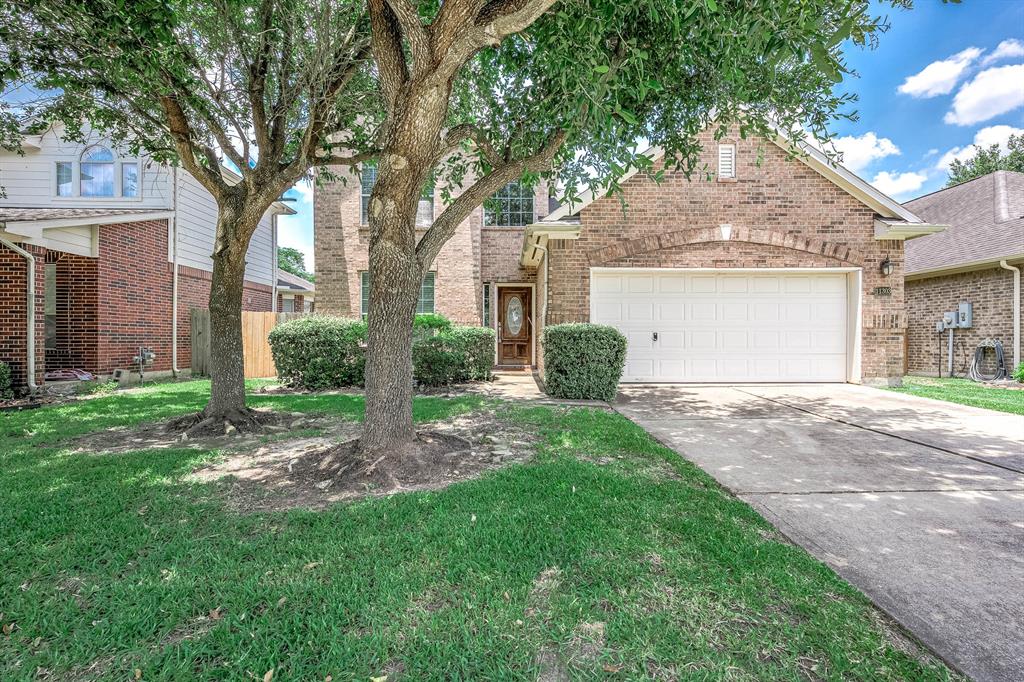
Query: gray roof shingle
(13, 215)
(985, 218)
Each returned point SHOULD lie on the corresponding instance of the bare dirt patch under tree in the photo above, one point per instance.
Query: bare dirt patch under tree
(315, 472)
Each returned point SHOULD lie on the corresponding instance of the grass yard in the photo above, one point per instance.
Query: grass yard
(964, 392)
(605, 557)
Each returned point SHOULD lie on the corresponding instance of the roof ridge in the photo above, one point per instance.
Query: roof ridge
(1001, 197)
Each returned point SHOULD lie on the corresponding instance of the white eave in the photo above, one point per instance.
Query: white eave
(887, 228)
(537, 236)
(293, 290)
(34, 228)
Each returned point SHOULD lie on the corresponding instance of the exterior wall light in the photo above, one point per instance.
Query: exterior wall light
(886, 267)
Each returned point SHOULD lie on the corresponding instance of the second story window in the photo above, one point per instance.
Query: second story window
(367, 178)
(97, 172)
(512, 205)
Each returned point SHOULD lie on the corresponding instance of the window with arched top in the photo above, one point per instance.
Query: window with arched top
(100, 174)
(96, 172)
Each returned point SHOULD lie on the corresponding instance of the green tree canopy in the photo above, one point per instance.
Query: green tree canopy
(988, 160)
(293, 261)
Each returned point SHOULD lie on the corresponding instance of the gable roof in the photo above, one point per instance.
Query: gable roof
(986, 224)
(286, 281)
(884, 205)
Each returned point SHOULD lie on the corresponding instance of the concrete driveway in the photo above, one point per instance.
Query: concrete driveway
(917, 502)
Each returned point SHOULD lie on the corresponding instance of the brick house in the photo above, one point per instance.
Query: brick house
(294, 294)
(102, 232)
(977, 260)
(783, 270)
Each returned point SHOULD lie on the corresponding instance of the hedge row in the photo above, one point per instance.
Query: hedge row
(319, 352)
(583, 361)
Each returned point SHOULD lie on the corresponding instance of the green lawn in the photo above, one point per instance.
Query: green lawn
(965, 392)
(115, 563)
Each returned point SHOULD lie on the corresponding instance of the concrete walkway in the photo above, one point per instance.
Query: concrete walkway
(918, 503)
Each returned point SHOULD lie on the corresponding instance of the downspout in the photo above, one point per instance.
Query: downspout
(273, 263)
(1016, 311)
(174, 276)
(544, 301)
(30, 313)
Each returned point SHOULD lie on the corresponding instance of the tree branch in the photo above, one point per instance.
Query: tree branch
(387, 50)
(181, 132)
(414, 31)
(445, 225)
(468, 131)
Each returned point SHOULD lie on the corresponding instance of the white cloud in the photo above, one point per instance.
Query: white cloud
(1008, 49)
(939, 78)
(859, 151)
(986, 137)
(993, 92)
(895, 184)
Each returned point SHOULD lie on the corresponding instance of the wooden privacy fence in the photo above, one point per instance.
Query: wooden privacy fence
(255, 347)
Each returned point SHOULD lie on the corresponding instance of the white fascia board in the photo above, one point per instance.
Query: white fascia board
(894, 229)
(538, 235)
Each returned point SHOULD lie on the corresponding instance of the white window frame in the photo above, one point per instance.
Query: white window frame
(76, 177)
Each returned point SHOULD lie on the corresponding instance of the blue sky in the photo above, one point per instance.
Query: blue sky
(944, 77)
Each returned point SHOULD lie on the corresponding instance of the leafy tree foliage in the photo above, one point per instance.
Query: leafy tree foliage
(467, 94)
(244, 94)
(293, 261)
(988, 160)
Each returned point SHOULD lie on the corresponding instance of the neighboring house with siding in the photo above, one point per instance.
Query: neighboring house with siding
(776, 269)
(104, 229)
(976, 260)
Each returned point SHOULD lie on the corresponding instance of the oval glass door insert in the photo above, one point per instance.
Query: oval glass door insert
(514, 316)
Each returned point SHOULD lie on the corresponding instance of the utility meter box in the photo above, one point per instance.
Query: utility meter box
(965, 316)
(949, 320)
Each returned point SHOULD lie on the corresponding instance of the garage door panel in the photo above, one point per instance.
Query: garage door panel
(640, 285)
(703, 312)
(727, 326)
(672, 311)
(703, 284)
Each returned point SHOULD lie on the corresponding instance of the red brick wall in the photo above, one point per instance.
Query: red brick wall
(991, 293)
(108, 306)
(14, 313)
(77, 312)
(782, 213)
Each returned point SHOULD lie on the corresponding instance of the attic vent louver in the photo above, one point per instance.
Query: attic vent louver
(726, 161)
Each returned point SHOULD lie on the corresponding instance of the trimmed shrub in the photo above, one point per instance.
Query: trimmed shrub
(458, 354)
(1018, 373)
(429, 324)
(583, 361)
(6, 389)
(319, 352)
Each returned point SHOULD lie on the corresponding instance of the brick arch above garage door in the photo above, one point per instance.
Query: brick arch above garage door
(772, 238)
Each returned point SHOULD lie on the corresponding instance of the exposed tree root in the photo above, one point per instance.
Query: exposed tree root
(202, 424)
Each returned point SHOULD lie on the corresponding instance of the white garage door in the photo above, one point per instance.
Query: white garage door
(726, 326)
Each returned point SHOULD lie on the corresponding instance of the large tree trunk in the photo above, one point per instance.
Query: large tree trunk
(395, 279)
(227, 370)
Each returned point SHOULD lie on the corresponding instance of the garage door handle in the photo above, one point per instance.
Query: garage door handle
(654, 336)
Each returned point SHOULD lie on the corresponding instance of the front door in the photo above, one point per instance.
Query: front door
(515, 327)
